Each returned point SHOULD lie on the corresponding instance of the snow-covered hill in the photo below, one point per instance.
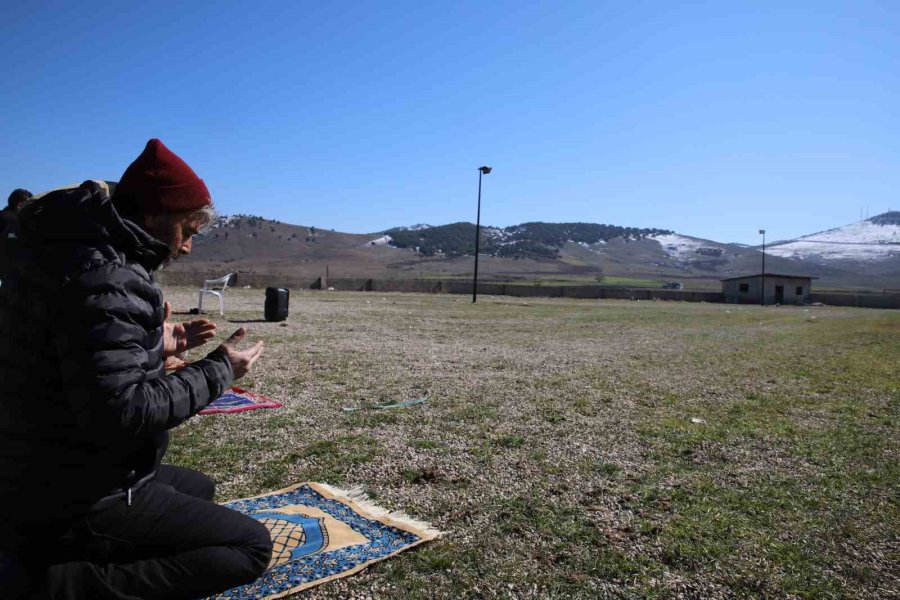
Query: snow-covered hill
(682, 247)
(875, 239)
(384, 240)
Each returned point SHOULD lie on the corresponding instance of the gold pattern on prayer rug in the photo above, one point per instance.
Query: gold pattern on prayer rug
(287, 536)
(320, 533)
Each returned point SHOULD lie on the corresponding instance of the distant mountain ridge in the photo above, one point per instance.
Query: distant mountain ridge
(861, 255)
(527, 240)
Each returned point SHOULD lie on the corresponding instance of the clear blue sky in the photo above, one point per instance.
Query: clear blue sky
(710, 118)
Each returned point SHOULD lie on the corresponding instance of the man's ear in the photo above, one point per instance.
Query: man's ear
(153, 221)
(156, 224)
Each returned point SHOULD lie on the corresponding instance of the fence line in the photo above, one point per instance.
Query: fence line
(444, 286)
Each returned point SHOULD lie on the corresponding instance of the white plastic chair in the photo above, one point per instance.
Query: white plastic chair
(216, 287)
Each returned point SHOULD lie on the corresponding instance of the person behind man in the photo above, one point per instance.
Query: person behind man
(89, 511)
(8, 214)
(16, 198)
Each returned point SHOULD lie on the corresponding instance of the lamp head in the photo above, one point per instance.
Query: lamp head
(762, 231)
(484, 170)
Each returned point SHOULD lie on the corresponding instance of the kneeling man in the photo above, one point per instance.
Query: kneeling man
(89, 510)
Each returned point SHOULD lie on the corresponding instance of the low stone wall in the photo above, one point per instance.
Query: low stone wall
(256, 280)
(431, 286)
(403, 285)
(860, 300)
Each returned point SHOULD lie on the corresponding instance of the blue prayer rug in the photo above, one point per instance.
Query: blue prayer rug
(320, 533)
(237, 399)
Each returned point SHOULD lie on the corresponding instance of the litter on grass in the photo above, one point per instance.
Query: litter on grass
(403, 404)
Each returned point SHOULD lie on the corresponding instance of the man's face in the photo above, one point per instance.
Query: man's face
(175, 231)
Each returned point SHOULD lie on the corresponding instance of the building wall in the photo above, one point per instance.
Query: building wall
(733, 295)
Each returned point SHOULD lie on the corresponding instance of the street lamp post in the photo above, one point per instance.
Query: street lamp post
(762, 291)
(481, 171)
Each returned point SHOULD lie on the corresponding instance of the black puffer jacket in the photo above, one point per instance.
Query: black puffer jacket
(7, 220)
(85, 401)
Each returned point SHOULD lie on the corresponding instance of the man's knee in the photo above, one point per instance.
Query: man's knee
(257, 548)
(205, 486)
(187, 481)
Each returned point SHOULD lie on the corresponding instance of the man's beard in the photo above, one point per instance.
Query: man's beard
(173, 256)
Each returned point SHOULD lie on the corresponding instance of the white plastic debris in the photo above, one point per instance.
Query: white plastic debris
(698, 421)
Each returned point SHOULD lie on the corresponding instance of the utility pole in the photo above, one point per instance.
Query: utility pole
(762, 289)
(481, 171)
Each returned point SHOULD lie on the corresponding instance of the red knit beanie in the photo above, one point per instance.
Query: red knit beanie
(159, 181)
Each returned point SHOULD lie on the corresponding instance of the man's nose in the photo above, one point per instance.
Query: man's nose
(186, 247)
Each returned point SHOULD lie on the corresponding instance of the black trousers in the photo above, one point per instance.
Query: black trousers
(171, 542)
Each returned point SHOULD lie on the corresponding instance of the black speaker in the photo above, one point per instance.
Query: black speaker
(277, 303)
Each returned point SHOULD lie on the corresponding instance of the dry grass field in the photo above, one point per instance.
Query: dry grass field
(581, 449)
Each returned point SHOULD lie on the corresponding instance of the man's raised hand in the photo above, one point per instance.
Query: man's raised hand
(179, 337)
(241, 360)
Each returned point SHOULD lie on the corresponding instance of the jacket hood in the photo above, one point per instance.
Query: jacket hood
(85, 215)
